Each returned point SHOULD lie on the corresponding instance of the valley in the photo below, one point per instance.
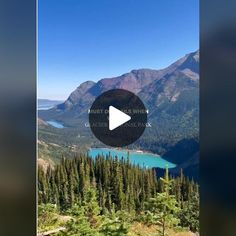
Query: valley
(118, 144)
(171, 95)
(147, 188)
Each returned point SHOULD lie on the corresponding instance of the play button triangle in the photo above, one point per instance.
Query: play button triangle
(117, 118)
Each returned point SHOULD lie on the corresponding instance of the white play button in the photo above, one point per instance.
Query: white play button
(117, 118)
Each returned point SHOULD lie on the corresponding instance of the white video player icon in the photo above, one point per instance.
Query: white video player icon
(117, 118)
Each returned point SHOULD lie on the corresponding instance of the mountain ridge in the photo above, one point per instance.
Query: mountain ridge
(134, 81)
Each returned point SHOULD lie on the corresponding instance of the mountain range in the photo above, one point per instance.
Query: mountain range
(171, 95)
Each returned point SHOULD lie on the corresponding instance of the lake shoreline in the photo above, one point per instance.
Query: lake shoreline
(143, 159)
(128, 150)
(56, 124)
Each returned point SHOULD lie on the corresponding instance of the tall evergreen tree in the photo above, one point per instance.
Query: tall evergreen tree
(163, 208)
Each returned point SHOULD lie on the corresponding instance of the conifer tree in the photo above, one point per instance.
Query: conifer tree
(91, 207)
(189, 215)
(116, 224)
(79, 224)
(163, 208)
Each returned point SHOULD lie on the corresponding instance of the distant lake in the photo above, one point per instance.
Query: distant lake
(55, 124)
(46, 104)
(45, 107)
(142, 159)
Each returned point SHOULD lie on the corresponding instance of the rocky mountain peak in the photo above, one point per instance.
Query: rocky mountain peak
(139, 81)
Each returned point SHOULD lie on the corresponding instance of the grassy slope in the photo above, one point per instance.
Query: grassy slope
(136, 229)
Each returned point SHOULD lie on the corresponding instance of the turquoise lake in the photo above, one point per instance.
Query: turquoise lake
(56, 124)
(146, 160)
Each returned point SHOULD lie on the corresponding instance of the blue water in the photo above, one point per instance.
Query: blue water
(146, 160)
(56, 124)
(44, 107)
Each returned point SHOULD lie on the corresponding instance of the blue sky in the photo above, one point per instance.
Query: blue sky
(80, 40)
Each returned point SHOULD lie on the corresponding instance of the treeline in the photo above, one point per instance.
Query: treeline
(118, 186)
